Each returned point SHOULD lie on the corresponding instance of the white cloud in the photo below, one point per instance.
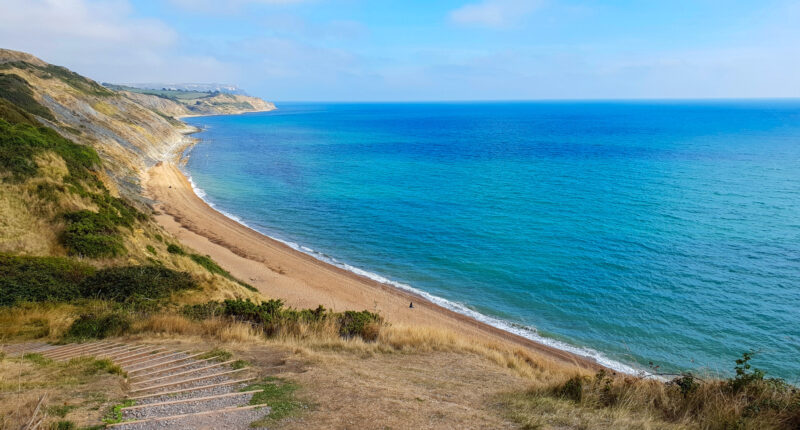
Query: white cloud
(494, 13)
(101, 39)
(226, 6)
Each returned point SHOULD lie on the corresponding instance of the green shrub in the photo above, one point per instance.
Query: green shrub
(20, 143)
(240, 364)
(218, 354)
(37, 359)
(17, 91)
(132, 283)
(175, 249)
(14, 115)
(151, 250)
(40, 279)
(114, 414)
(63, 425)
(104, 366)
(364, 324)
(48, 191)
(98, 326)
(57, 279)
(744, 376)
(572, 389)
(272, 316)
(96, 234)
(203, 310)
(91, 234)
(245, 310)
(59, 410)
(686, 384)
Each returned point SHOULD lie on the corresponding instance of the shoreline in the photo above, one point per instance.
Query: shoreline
(280, 270)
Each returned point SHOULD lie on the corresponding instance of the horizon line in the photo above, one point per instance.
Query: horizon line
(639, 99)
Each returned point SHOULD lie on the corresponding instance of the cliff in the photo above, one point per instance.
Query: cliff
(49, 116)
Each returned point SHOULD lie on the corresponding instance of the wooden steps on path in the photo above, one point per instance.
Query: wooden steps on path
(168, 388)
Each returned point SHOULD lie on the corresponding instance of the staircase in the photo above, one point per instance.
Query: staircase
(167, 388)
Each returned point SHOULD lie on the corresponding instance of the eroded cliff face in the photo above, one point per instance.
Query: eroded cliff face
(130, 131)
(216, 104)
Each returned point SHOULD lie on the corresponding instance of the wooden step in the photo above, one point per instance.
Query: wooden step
(56, 348)
(111, 353)
(200, 369)
(186, 381)
(15, 348)
(198, 388)
(102, 352)
(193, 399)
(169, 369)
(161, 363)
(64, 349)
(195, 414)
(147, 352)
(79, 352)
(136, 351)
(159, 356)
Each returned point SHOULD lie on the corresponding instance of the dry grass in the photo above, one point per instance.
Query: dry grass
(79, 391)
(313, 337)
(542, 412)
(628, 402)
(455, 381)
(36, 321)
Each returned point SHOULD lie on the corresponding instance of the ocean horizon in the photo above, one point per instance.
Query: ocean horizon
(631, 232)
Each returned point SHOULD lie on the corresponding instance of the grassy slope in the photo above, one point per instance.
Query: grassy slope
(67, 191)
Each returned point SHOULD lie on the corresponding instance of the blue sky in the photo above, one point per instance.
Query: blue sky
(424, 50)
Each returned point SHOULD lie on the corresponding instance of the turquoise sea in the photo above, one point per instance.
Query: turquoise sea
(632, 232)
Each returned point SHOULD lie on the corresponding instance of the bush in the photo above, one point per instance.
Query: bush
(365, 324)
(131, 283)
(63, 425)
(572, 389)
(686, 384)
(20, 143)
(744, 376)
(98, 326)
(96, 234)
(91, 234)
(151, 250)
(17, 91)
(40, 279)
(15, 115)
(175, 249)
(271, 316)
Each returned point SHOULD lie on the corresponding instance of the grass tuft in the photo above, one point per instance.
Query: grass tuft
(279, 395)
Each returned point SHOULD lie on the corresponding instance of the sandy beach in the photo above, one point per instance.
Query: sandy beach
(300, 280)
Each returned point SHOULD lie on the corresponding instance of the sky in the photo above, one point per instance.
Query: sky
(417, 50)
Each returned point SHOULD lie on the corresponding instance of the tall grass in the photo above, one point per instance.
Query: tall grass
(747, 401)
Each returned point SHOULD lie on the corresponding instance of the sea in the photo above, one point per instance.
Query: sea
(651, 236)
